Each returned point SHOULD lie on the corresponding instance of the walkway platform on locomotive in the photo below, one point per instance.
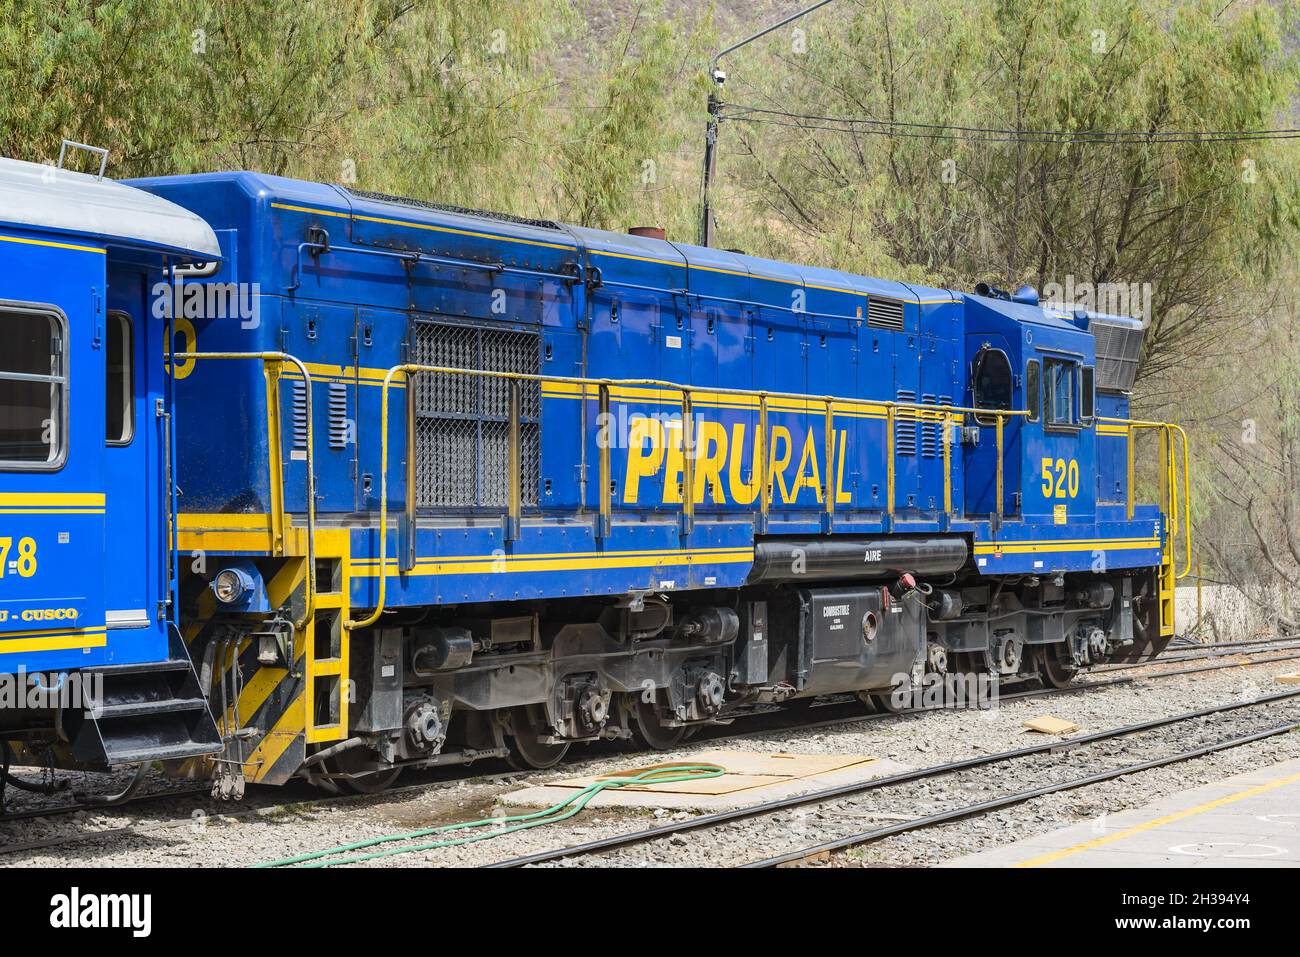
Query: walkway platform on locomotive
(1249, 820)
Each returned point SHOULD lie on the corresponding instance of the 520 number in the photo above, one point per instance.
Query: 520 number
(1060, 478)
(26, 564)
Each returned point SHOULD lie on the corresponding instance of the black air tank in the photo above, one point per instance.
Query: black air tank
(855, 559)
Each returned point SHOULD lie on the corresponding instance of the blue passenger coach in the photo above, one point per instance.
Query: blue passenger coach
(454, 485)
(85, 581)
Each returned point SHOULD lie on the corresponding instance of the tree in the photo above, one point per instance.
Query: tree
(623, 129)
(1191, 222)
(394, 93)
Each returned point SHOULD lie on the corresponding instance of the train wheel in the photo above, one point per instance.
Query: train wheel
(527, 753)
(1054, 669)
(364, 783)
(372, 783)
(886, 704)
(894, 701)
(649, 730)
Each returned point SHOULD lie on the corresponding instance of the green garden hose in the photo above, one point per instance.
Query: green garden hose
(666, 774)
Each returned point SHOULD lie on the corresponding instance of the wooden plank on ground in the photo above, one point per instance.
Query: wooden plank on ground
(1046, 724)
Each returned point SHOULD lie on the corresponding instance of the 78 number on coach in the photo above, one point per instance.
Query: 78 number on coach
(25, 557)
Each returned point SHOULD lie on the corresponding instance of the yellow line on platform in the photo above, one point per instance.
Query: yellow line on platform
(1159, 822)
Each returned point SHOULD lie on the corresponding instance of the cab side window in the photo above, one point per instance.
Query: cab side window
(33, 389)
(991, 379)
(1033, 390)
(1059, 392)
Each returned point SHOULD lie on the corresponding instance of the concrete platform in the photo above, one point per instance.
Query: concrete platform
(1251, 820)
(749, 778)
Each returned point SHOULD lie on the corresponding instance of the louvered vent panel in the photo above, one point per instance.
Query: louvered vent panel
(462, 429)
(338, 415)
(300, 415)
(929, 431)
(884, 313)
(905, 426)
(932, 428)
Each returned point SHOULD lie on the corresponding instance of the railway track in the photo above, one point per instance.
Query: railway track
(722, 818)
(825, 848)
(776, 721)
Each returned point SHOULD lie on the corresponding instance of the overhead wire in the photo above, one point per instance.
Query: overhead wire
(740, 113)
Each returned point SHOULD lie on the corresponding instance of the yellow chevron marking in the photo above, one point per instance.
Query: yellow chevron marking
(254, 694)
(207, 607)
(276, 741)
(285, 582)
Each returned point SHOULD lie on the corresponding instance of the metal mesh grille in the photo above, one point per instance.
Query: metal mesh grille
(1118, 350)
(462, 428)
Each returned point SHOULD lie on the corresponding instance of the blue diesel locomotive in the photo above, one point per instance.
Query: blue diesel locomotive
(328, 484)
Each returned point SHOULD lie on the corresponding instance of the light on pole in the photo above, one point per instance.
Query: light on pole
(718, 77)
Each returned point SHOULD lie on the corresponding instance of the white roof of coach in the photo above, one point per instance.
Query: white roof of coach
(33, 194)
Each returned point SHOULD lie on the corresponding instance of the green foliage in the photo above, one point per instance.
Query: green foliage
(532, 108)
(394, 91)
(608, 161)
(1195, 220)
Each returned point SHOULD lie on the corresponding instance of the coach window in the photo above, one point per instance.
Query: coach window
(1088, 394)
(1059, 394)
(120, 408)
(991, 381)
(1033, 390)
(33, 389)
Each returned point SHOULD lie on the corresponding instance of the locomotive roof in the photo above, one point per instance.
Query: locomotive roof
(376, 207)
(63, 201)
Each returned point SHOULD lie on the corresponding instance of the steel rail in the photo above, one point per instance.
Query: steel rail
(1202, 646)
(1026, 695)
(860, 787)
(61, 810)
(1019, 797)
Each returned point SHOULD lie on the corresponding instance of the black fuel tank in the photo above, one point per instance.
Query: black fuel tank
(855, 559)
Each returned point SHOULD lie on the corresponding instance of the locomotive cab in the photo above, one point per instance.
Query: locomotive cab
(1026, 358)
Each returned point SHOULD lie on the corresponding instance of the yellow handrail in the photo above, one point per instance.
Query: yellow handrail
(274, 455)
(1187, 500)
(1168, 431)
(688, 444)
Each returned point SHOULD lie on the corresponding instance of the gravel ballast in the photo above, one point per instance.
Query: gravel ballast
(273, 825)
